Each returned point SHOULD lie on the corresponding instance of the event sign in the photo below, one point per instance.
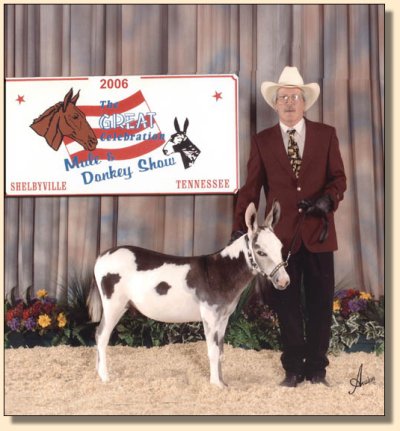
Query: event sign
(161, 134)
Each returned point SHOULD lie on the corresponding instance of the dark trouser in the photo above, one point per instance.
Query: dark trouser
(305, 332)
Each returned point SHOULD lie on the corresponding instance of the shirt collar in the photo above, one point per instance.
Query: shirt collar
(299, 127)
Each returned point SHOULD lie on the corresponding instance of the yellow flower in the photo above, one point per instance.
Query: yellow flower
(42, 293)
(365, 295)
(44, 320)
(336, 305)
(62, 320)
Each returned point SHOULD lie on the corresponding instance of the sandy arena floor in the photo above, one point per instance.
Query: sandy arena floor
(173, 380)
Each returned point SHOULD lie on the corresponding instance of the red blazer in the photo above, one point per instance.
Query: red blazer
(321, 172)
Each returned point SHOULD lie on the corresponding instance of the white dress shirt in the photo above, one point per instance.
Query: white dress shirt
(299, 136)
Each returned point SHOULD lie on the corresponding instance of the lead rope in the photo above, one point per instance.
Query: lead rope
(296, 234)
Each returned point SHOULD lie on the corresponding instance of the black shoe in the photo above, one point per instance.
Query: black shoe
(292, 380)
(318, 379)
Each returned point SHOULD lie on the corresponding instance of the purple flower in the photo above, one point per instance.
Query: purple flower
(353, 306)
(342, 294)
(48, 300)
(363, 304)
(30, 323)
(14, 323)
(356, 305)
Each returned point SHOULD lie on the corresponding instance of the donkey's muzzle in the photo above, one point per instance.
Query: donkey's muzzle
(281, 280)
(283, 285)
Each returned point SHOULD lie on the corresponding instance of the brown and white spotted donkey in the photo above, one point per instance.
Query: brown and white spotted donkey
(185, 289)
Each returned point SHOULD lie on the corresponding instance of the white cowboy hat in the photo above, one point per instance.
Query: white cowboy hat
(290, 77)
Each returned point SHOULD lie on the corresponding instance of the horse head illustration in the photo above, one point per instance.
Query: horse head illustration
(65, 119)
(180, 143)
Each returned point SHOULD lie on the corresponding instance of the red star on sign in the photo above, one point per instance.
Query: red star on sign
(217, 96)
(20, 99)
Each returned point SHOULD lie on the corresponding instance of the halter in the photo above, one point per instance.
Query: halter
(254, 264)
(285, 263)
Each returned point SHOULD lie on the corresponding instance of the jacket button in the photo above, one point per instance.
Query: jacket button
(300, 210)
(299, 189)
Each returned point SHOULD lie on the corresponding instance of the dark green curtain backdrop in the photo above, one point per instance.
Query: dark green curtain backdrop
(50, 240)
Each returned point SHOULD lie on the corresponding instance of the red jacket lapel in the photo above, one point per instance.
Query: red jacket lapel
(310, 146)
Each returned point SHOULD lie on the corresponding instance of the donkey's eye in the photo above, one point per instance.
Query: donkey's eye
(261, 253)
(75, 116)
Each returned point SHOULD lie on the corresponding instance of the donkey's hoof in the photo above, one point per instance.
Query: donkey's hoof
(104, 378)
(221, 384)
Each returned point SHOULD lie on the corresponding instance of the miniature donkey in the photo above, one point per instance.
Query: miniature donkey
(184, 289)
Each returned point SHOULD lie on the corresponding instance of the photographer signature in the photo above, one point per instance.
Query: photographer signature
(358, 381)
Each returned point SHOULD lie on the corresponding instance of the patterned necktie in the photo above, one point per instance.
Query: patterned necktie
(293, 153)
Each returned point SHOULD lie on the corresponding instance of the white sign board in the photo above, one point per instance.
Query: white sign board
(122, 135)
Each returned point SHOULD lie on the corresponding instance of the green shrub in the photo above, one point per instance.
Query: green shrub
(358, 320)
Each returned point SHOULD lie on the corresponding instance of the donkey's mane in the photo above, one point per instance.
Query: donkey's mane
(50, 111)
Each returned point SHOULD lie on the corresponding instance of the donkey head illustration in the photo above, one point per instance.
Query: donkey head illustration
(180, 143)
(65, 119)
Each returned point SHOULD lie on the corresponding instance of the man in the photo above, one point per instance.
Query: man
(298, 162)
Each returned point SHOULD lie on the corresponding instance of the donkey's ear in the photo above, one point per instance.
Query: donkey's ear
(273, 216)
(185, 126)
(67, 99)
(176, 125)
(75, 98)
(251, 219)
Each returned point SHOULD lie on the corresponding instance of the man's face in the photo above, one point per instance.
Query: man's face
(290, 111)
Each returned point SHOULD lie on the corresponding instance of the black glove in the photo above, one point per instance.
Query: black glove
(319, 208)
(235, 235)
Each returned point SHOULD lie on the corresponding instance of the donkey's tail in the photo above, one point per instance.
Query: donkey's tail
(93, 303)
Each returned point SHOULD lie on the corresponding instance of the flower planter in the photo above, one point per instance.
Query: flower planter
(362, 345)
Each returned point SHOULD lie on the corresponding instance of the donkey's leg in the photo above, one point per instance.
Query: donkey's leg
(112, 312)
(212, 327)
(219, 337)
(223, 322)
